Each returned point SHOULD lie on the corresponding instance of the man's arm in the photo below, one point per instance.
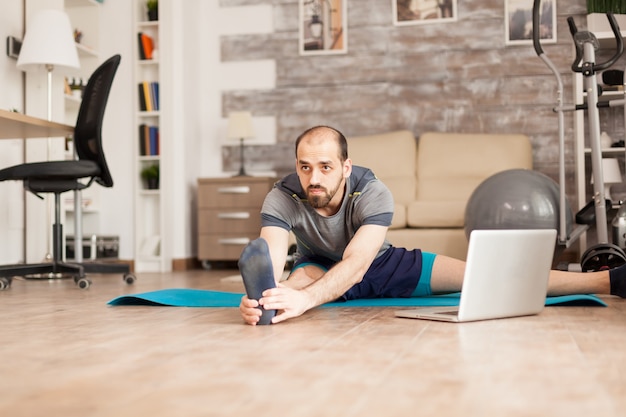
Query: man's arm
(357, 258)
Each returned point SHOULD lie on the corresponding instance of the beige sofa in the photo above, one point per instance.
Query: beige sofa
(432, 179)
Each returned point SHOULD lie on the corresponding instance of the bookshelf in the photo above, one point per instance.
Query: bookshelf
(149, 218)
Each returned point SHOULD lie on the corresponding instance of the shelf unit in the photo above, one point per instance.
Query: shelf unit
(149, 218)
(584, 189)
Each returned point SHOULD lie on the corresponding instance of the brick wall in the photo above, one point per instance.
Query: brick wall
(456, 77)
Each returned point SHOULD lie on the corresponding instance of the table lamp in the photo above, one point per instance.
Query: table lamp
(611, 174)
(240, 127)
(48, 43)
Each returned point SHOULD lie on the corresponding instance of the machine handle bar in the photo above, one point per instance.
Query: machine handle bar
(619, 50)
(585, 36)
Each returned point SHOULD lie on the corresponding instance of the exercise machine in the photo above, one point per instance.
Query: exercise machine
(602, 255)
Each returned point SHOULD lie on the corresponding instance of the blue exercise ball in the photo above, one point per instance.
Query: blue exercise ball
(516, 199)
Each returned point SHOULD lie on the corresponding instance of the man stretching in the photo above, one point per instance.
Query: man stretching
(339, 214)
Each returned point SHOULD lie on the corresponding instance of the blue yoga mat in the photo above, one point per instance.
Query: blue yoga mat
(185, 297)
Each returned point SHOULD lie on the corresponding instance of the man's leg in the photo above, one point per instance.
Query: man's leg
(255, 265)
(303, 276)
(565, 283)
(447, 276)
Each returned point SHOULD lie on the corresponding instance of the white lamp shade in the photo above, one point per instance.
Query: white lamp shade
(49, 40)
(240, 125)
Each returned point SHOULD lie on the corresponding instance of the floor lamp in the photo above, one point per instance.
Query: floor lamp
(48, 44)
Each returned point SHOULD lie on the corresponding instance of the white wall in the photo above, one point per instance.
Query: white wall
(11, 151)
(200, 77)
(225, 76)
(116, 215)
(10, 78)
(183, 75)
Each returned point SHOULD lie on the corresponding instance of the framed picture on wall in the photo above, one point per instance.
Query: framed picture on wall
(419, 12)
(323, 27)
(518, 24)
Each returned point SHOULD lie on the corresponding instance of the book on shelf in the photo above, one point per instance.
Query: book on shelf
(154, 90)
(149, 140)
(142, 98)
(146, 46)
(149, 96)
(147, 93)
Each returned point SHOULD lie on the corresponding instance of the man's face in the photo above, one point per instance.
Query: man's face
(322, 173)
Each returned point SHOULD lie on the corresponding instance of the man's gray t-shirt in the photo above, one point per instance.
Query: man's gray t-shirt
(367, 201)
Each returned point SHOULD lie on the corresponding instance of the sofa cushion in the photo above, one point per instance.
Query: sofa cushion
(442, 241)
(436, 213)
(451, 165)
(392, 158)
(399, 220)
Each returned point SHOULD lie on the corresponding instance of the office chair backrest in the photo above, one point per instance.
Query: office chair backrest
(88, 130)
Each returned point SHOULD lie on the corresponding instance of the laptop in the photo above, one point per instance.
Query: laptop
(506, 275)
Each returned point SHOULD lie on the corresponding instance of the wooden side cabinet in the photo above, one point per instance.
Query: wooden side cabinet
(229, 215)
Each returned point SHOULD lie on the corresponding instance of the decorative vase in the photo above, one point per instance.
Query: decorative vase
(153, 15)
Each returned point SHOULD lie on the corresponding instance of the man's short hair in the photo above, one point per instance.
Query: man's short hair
(341, 140)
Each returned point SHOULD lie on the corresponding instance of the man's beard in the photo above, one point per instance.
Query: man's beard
(322, 200)
(318, 200)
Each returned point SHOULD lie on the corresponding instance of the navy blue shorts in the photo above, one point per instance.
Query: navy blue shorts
(396, 273)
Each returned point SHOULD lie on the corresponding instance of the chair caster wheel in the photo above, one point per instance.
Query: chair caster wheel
(83, 283)
(129, 278)
(5, 283)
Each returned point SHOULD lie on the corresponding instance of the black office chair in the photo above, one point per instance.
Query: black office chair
(58, 177)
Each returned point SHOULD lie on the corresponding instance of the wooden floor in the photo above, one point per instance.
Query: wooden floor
(64, 352)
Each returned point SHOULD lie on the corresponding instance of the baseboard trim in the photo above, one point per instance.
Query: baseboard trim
(185, 264)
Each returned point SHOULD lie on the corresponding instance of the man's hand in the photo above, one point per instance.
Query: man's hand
(289, 302)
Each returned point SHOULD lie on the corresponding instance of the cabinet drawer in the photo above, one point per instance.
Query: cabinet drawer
(229, 221)
(215, 195)
(223, 246)
(229, 214)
